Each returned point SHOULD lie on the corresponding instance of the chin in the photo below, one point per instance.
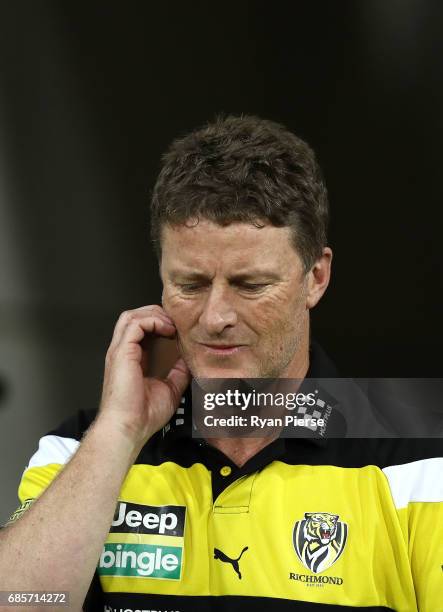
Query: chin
(217, 372)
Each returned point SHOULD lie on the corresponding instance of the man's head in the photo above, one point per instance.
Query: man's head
(239, 222)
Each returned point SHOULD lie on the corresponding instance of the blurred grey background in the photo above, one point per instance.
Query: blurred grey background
(91, 93)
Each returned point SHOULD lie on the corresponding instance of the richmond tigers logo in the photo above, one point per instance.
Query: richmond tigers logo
(319, 540)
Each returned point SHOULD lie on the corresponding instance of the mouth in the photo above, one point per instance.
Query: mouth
(223, 349)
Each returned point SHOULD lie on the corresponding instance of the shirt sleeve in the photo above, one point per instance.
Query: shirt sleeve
(54, 451)
(417, 491)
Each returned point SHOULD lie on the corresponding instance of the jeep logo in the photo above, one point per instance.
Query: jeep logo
(138, 518)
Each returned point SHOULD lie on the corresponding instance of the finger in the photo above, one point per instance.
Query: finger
(130, 315)
(138, 328)
(178, 379)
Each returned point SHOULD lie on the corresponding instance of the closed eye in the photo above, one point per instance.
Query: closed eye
(190, 287)
(252, 287)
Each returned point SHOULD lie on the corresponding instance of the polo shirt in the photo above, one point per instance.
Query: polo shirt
(307, 523)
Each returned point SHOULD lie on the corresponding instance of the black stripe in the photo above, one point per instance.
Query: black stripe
(75, 426)
(225, 603)
(348, 452)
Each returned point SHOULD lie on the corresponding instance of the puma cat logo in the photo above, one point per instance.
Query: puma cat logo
(218, 554)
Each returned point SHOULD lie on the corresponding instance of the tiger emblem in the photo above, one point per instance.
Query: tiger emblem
(319, 540)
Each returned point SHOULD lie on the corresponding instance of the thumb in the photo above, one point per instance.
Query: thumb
(178, 378)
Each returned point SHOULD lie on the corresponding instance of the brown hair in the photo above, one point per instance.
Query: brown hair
(243, 169)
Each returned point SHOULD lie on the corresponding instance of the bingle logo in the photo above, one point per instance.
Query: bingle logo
(141, 560)
(138, 518)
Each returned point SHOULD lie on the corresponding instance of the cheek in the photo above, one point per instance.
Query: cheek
(277, 324)
(181, 311)
(271, 313)
(171, 300)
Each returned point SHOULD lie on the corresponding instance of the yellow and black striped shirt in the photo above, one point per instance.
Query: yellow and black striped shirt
(305, 524)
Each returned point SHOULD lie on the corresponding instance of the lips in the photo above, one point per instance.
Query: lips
(222, 346)
(223, 349)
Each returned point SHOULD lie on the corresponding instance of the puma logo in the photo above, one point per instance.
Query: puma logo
(218, 554)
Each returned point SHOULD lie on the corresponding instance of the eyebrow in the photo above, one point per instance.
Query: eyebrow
(243, 276)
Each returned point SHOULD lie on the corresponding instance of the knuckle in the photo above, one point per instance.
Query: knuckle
(150, 310)
(128, 316)
(133, 351)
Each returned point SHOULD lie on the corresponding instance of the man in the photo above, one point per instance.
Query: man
(159, 520)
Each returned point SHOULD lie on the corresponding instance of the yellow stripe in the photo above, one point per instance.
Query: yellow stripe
(144, 538)
(36, 479)
(385, 553)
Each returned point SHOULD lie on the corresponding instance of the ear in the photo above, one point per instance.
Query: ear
(318, 278)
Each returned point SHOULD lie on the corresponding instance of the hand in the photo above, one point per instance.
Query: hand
(133, 402)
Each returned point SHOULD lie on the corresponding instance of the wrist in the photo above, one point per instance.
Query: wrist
(126, 443)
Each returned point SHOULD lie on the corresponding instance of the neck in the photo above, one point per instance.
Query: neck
(240, 450)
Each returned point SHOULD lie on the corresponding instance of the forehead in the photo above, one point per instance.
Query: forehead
(239, 245)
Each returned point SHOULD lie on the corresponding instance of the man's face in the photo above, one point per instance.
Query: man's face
(234, 286)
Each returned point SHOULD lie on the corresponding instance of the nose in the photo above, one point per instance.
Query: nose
(218, 311)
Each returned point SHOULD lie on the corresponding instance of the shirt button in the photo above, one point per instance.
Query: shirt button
(225, 470)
